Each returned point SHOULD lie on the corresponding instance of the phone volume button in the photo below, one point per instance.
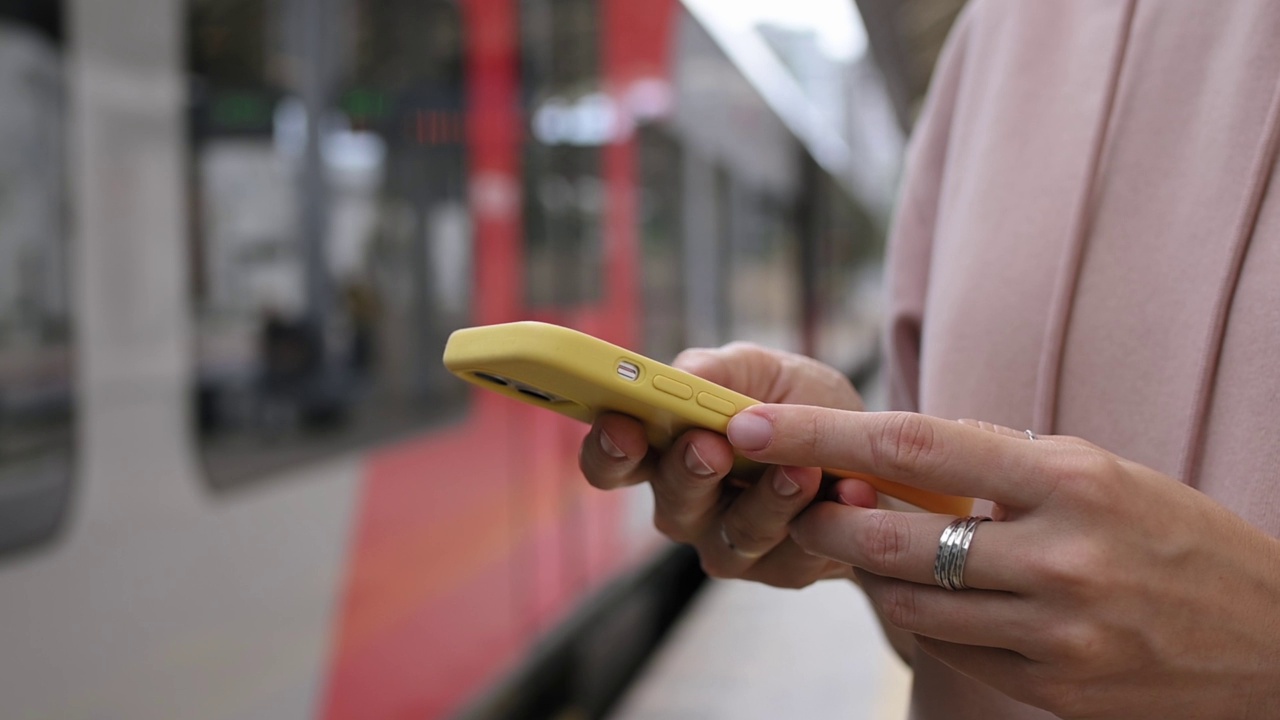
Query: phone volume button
(672, 387)
(720, 405)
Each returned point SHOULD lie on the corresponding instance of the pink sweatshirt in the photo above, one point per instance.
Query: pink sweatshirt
(1088, 243)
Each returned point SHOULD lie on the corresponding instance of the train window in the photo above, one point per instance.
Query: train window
(765, 298)
(662, 242)
(569, 120)
(36, 398)
(847, 252)
(327, 268)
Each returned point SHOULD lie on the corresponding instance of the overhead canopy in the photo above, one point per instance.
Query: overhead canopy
(905, 37)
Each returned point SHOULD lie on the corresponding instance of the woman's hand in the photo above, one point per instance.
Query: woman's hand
(1104, 589)
(739, 532)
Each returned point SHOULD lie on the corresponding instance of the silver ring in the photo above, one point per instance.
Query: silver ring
(724, 535)
(733, 547)
(1031, 435)
(953, 550)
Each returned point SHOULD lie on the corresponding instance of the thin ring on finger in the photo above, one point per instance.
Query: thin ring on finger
(724, 536)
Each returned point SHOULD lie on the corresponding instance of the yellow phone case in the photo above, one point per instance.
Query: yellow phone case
(581, 376)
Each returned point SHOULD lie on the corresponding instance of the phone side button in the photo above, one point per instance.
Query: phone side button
(672, 387)
(720, 405)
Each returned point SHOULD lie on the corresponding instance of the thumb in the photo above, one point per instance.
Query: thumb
(772, 376)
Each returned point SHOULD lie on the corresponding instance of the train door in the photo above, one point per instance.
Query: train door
(581, 255)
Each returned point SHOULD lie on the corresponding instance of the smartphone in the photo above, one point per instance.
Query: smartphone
(581, 376)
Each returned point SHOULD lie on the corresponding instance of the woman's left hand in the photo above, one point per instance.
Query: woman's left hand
(1103, 589)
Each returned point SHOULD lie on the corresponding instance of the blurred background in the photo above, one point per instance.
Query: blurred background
(236, 481)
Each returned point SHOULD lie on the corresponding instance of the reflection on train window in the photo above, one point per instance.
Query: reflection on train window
(569, 120)
(36, 398)
(327, 268)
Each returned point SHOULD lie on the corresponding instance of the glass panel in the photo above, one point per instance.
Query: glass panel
(36, 394)
(570, 118)
(328, 268)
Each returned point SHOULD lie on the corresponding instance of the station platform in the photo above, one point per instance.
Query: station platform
(747, 651)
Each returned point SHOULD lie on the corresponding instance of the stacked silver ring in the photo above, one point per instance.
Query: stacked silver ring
(953, 550)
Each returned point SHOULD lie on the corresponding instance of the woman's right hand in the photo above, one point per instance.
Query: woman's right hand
(739, 532)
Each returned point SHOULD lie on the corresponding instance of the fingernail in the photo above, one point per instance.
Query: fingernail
(750, 431)
(783, 484)
(610, 447)
(695, 463)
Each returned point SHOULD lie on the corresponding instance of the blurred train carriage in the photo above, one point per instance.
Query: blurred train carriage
(234, 235)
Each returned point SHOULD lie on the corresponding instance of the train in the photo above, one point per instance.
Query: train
(235, 480)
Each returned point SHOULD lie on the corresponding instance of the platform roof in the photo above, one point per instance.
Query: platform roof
(905, 38)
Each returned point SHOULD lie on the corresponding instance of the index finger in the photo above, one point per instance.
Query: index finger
(917, 450)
